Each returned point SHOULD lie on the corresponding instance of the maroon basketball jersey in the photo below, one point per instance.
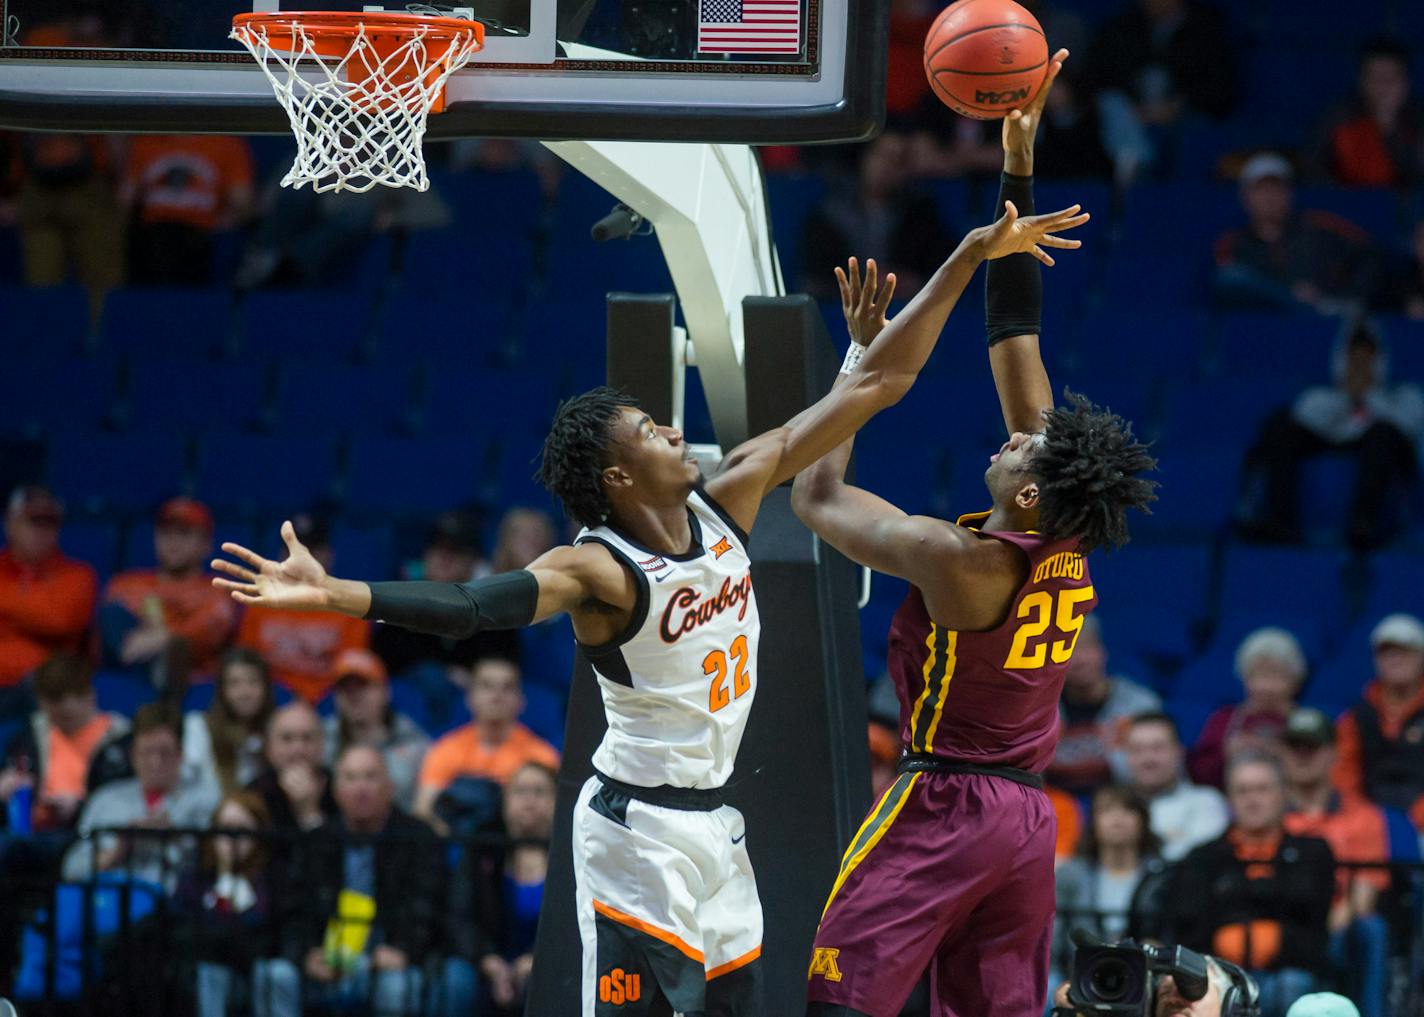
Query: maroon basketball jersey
(992, 697)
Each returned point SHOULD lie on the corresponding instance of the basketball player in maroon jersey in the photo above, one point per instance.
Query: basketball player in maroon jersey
(952, 871)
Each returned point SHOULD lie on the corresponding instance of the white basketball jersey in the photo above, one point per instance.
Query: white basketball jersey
(679, 682)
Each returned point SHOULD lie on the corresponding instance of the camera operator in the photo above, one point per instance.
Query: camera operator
(1104, 983)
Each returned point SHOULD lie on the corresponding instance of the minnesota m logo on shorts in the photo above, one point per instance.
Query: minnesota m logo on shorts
(823, 963)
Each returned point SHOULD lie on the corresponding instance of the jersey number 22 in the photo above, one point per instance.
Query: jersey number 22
(714, 665)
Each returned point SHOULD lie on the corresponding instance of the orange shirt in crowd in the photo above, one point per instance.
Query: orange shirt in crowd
(1070, 822)
(186, 178)
(301, 646)
(1256, 944)
(191, 608)
(1349, 773)
(43, 610)
(461, 754)
(1356, 830)
(69, 755)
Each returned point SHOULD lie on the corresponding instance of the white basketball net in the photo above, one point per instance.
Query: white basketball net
(353, 135)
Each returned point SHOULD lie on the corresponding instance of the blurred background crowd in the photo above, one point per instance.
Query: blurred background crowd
(196, 354)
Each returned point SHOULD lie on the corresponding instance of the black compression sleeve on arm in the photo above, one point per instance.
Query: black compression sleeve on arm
(1013, 287)
(457, 610)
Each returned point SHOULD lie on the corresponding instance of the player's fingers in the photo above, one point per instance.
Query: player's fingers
(243, 598)
(1050, 240)
(223, 565)
(886, 293)
(251, 557)
(872, 278)
(844, 284)
(228, 584)
(289, 537)
(1011, 213)
(1042, 255)
(854, 278)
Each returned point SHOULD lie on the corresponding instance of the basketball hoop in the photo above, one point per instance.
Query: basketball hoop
(358, 87)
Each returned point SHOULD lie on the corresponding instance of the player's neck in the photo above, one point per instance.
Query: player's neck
(494, 732)
(1118, 859)
(660, 528)
(1009, 519)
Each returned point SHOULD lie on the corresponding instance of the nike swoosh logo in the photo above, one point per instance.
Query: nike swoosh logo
(658, 579)
(738, 840)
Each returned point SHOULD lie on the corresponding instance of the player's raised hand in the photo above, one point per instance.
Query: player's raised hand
(297, 584)
(864, 303)
(1021, 125)
(1029, 234)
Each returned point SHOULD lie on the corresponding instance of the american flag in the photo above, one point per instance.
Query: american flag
(749, 26)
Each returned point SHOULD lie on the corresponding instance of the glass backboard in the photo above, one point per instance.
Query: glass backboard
(749, 71)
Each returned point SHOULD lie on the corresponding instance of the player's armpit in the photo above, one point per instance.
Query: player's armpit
(573, 579)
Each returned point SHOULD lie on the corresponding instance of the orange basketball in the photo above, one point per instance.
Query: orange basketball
(985, 57)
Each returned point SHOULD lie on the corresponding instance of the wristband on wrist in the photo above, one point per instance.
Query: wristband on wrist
(852, 358)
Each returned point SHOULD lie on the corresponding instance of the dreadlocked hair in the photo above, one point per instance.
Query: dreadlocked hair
(1089, 470)
(576, 451)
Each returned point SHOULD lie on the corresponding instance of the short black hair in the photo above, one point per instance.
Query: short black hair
(1089, 469)
(576, 451)
(1156, 717)
(1387, 49)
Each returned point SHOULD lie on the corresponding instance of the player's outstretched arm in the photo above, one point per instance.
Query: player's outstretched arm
(1013, 287)
(565, 579)
(889, 367)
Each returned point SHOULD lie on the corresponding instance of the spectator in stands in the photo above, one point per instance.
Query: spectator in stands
(51, 754)
(180, 190)
(1258, 896)
(147, 613)
(885, 752)
(1401, 288)
(223, 744)
(438, 666)
(1153, 64)
(1094, 710)
(69, 217)
(524, 534)
(495, 900)
(303, 239)
(1183, 814)
(1362, 414)
(1357, 831)
(488, 749)
(296, 788)
(155, 800)
(360, 917)
(1381, 738)
(879, 213)
(364, 716)
(1069, 813)
(1271, 666)
(1113, 887)
(231, 902)
(302, 646)
(1284, 260)
(46, 599)
(1377, 138)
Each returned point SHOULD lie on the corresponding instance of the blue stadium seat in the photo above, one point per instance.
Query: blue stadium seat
(1318, 76)
(1196, 496)
(176, 394)
(96, 469)
(252, 472)
(45, 323)
(1338, 682)
(485, 270)
(518, 404)
(304, 325)
(1193, 215)
(546, 655)
(1379, 211)
(487, 203)
(568, 338)
(167, 323)
(1406, 350)
(517, 483)
(1151, 597)
(199, 697)
(1396, 578)
(368, 552)
(1191, 716)
(1224, 412)
(416, 477)
(315, 398)
(120, 692)
(1280, 346)
(94, 542)
(791, 198)
(1137, 346)
(30, 394)
(886, 595)
(444, 333)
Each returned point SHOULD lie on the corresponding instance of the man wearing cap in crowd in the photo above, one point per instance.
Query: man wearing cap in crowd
(150, 614)
(302, 646)
(46, 598)
(364, 716)
(1357, 831)
(1380, 739)
(1283, 259)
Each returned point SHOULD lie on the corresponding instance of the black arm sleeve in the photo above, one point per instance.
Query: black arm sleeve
(1013, 287)
(457, 610)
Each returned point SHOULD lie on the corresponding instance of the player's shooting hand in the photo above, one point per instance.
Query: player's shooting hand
(1021, 125)
(1028, 235)
(864, 303)
(297, 584)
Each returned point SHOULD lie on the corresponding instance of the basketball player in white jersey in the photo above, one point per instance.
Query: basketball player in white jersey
(658, 586)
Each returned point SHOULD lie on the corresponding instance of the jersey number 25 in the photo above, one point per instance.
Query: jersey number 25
(1031, 648)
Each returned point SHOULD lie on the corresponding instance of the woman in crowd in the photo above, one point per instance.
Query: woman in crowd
(223, 745)
(1271, 666)
(495, 903)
